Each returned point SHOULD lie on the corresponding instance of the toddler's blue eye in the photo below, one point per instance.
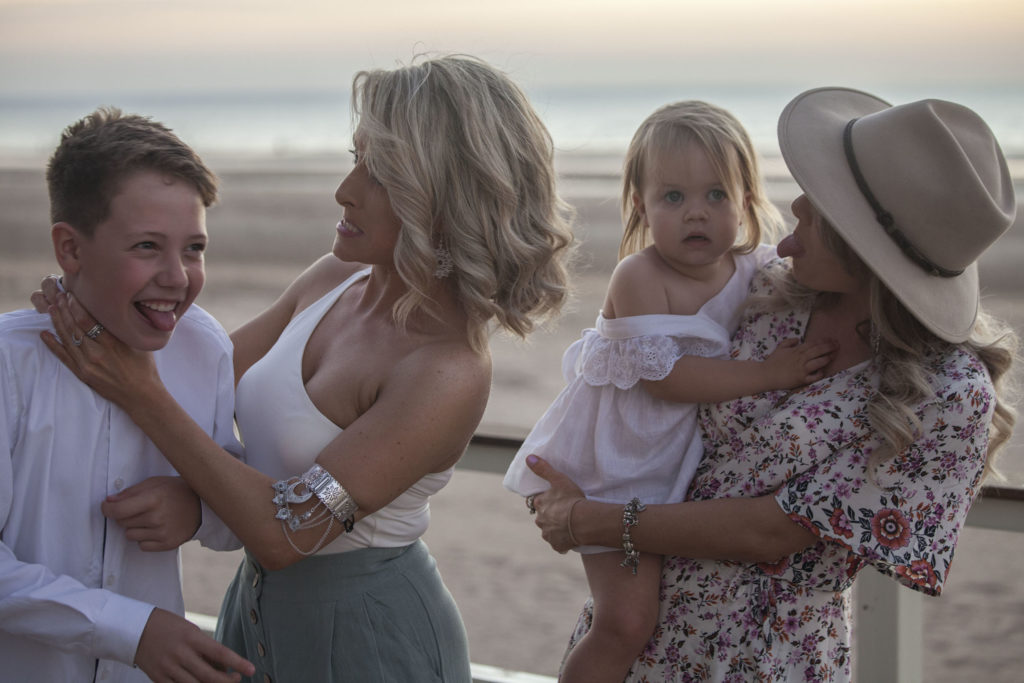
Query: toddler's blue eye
(674, 196)
(717, 195)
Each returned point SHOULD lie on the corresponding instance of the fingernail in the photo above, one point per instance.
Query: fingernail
(531, 459)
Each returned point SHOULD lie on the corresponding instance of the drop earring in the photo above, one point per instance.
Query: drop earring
(445, 265)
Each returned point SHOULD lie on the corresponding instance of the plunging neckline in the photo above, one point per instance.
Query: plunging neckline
(331, 299)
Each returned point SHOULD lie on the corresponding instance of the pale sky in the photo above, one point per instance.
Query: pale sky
(171, 46)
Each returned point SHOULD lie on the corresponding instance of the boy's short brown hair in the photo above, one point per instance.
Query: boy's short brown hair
(97, 152)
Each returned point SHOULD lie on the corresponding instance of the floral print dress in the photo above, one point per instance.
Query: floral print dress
(790, 620)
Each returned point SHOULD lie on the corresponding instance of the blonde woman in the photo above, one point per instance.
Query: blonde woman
(877, 463)
(359, 389)
(695, 213)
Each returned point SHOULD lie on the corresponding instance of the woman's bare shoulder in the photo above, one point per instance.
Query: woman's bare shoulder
(323, 275)
(448, 362)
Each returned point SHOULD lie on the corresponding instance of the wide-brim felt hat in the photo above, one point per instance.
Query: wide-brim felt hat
(918, 191)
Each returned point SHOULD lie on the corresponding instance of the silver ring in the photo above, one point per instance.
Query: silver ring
(94, 331)
(77, 341)
(529, 504)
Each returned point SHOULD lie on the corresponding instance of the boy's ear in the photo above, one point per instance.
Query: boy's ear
(67, 243)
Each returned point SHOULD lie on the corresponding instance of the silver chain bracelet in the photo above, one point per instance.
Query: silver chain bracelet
(333, 503)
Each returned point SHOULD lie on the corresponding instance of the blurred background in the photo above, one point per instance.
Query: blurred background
(261, 90)
(273, 76)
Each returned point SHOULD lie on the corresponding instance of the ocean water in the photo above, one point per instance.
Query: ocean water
(581, 118)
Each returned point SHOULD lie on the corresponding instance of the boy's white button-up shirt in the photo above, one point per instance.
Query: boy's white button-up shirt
(75, 594)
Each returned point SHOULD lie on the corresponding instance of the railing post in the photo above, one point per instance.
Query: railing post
(888, 638)
(999, 508)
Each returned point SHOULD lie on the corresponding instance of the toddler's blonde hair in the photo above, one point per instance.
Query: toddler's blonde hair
(727, 145)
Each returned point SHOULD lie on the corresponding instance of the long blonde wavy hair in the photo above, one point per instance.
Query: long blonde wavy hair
(902, 343)
(468, 166)
(730, 152)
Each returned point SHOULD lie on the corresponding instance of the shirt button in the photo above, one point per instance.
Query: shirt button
(253, 617)
(260, 649)
(119, 483)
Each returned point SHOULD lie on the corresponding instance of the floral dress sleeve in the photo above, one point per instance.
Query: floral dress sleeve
(903, 514)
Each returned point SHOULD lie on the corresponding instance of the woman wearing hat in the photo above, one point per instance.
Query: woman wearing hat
(874, 465)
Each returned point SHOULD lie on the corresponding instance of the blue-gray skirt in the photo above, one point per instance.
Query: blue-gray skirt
(364, 616)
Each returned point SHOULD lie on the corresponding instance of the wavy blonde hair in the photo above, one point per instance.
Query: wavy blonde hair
(468, 166)
(728, 148)
(903, 343)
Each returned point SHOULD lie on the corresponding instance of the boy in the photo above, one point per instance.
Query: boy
(81, 598)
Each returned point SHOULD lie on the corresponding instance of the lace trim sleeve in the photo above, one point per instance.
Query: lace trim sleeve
(624, 362)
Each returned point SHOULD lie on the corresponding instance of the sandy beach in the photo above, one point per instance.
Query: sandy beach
(518, 598)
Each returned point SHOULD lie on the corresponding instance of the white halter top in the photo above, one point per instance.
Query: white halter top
(283, 432)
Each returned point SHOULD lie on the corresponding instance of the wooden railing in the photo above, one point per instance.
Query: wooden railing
(887, 616)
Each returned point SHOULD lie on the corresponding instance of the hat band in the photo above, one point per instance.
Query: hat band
(885, 218)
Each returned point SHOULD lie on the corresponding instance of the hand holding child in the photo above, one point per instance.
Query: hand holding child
(554, 506)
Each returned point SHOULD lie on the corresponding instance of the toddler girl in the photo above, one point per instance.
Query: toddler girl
(625, 426)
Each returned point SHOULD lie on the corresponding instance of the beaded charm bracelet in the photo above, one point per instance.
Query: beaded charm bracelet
(630, 518)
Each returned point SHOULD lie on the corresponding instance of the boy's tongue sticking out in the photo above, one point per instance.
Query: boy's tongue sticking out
(159, 313)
